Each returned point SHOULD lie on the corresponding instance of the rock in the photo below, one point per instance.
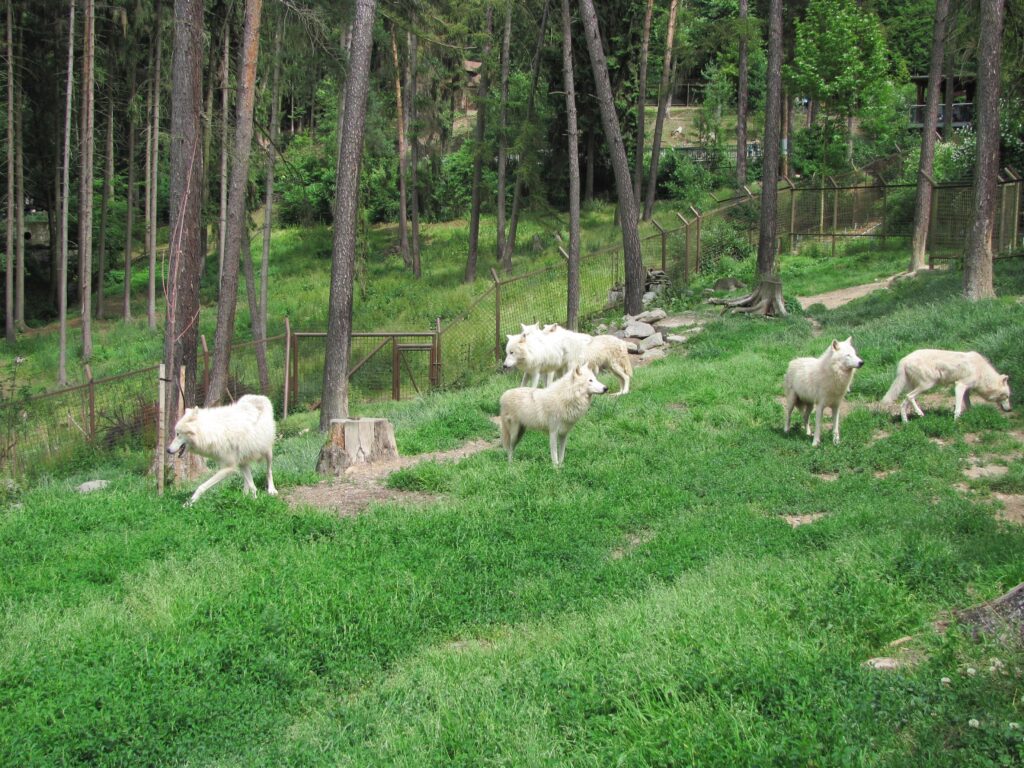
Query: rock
(675, 338)
(92, 485)
(651, 316)
(654, 340)
(601, 329)
(684, 318)
(653, 354)
(883, 662)
(648, 297)
(728, 284)
(639, 330)
(632, 348)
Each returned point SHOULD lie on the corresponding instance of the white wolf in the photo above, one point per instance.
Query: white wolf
(966, 371)
(609, 353)
(821, 382)
(554, 409)
(233, 435)
(534, 352)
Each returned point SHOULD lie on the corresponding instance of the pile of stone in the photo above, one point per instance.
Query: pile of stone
(649, 334)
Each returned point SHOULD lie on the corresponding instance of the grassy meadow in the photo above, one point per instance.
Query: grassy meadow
(646, 605)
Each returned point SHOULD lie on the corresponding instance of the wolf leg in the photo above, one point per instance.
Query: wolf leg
(790, 403)
(271, 488)
(214, 479)
(819, 416)
(835, 425)
(553, 439)
(805, 412)
(250, 486)
(961, 399)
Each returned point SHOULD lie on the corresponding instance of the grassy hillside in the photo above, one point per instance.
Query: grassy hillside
(646, 605)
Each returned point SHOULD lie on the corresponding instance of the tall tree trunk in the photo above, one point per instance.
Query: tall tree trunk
(19, 214)
(641, 100)
(588, 186)
(478, 154)
(403, 163)
(154, 169)
(258, 333)
(787, 121)
(414, 197)
(633, 259)
(923, 201)
(108, 180)
(65, 186)
(222, 218)
(339, 323)
(210, 78)
(181, 329)
(573, 277)
(947, 121)
(126, 309)
(9, 334)
(659, 123)
(147, 185)
(517, 191)
(741, 101)
(978, 257)
(238, 216)
(766, 299)
(506, 39)
(85, 185)
(268, 203)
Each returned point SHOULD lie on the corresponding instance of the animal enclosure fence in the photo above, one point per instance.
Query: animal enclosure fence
(120, 412)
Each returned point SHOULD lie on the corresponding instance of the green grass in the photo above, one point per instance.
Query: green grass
(646, 605)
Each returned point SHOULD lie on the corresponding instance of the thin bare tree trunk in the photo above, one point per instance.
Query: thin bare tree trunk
(258, 335)
(517, 191)
(923, 201)
(62, 269)
(766, 299)
(506, 39)
(978, 256)
(9, 334)
(19, 214)
(741, 101)
(478, 154)
(632, 258)
(268, 203)
(414, 197)
(108, 180)
(126, 309)
(85, 185)
(181, 329)
(147, 186)
(659, 123)
(588, 186)
(787, 120)
(222, 218)
(339, 324)
(950, 91)
(237, 224)
(573, 277)
(641, 100)
(154, 169)
(403, 163)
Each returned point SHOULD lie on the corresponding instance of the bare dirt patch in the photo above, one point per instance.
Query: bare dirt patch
(633, 540)
(363, 484)
(797, 520)
(1013, 507)
(881, 474)
(828, 477)
(979, 469)
(833, 299)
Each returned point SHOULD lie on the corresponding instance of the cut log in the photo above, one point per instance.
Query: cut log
(356, 441)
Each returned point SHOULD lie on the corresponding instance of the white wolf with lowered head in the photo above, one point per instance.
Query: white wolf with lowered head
(599, 353)
(820, 382)
(967, 371)
(234, 436)
(554, 409)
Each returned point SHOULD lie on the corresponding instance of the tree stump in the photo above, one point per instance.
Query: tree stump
(356, 441)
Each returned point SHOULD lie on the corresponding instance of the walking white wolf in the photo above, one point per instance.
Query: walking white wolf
(554, 409)
(534, 353)
(967, 371)
(233, 435)
(820, 382)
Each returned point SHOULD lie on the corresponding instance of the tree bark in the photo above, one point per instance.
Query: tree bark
(154, 169)
(659, 123)
(268, 203)
(258, 333)
(923, 201)
(62, 268)
(108, 180)
(633, 259)
(506, 39)
(339, 322)
(9, 334)
(641, 100)
(181, 330)
(222, 217)
(766, 299)
(478, 154)
(588, 187)
(126, 309)
(573, 272)
(978, 256)
(147, 185)
(237, 223)
(414, 197)
(741, 101)
(19, 214)
(950, 91)
(403, 161)
(85, 181)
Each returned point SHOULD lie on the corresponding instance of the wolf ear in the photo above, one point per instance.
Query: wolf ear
(1006, 378)
(835, 345)
(849, 339)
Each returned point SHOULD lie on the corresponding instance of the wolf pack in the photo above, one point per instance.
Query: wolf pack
(236, 436)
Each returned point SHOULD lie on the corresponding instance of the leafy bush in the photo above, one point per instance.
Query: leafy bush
(722, 241)
(680, 178)
(306, 182)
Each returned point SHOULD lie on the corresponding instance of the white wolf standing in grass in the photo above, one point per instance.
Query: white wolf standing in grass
(554, 409)
(534, 352)
(966, 371)
(820, 382)
(598, 353)
(233, 435)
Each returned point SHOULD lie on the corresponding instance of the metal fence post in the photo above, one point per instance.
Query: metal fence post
(287, 363)
(396, 365)
(435, 380)
(497, 315)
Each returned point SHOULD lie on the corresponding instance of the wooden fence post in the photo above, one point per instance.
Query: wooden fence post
(295, 368)
(161, 455)
(396, 369)
(287, 363)
(497, 315)
(686, 249)
(91, 389)
(932, 235)
(885, 207)
(698, 215)
(835, 213)
(1018, 180)
(435, 369)
(792, 211)
(1003, 216)
(664, 241)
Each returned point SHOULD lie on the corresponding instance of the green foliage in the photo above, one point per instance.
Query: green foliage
(305, 182)
(721, 242)
(821, 149)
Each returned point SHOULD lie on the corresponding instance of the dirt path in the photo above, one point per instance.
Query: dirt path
(363, 484)
(833, 299)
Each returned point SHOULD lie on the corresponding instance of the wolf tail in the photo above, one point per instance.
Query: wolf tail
(897, 387)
